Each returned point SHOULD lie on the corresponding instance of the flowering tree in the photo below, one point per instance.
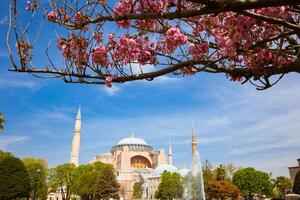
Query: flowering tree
(102, 42)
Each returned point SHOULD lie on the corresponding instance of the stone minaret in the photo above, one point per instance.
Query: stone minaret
(76, 140)
(170, 159)
(195, 155)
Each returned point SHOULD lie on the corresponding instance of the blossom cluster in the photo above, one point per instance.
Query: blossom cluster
(235, 36)
(31, 6)
(124, 7)
(74, 49)
(198, 51)
(173, 39)
(24, 50)
(99, 56)
(130, 49)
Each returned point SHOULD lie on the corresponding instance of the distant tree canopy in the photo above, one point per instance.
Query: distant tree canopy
(61, 177)
(296, 186)
(222, 190)
(137, 190)
(4, 154)
(107, 186)
(37, 176)
(86, 178)
(170, 187)
(280, 184)
(251, 182)
(30, 160)
(14, 179)
(248, 41)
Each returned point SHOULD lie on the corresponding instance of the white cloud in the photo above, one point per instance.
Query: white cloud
(111, 91)
(12, 82)
(7, 141)
(3, 20)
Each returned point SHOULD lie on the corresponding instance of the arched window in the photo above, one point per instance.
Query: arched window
(140, 162)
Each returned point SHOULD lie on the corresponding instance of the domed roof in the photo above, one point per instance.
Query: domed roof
(132, 140)
(165, 167)
(183, 172)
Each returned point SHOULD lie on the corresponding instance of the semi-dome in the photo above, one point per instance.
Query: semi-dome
(164, 167)
(183, 172)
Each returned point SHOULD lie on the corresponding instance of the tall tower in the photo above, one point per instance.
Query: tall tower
(194, 143)
(170, 159)
(76, 140)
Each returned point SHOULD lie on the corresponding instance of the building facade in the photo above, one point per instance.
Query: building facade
(134, 161)
(294, 170)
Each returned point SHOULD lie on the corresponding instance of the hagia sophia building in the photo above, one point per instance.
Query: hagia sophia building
(134, 160)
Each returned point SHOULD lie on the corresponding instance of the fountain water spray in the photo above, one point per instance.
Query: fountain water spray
(197, 173)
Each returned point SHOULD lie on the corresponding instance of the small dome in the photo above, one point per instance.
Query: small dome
(183, 172)
(133, 140)
(166, 167)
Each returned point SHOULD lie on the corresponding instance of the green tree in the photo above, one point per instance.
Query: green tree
(296, 186)
(4, 154)
(251, 182)
(208, 174)
(170, 187)
(280, 184)
(37, 176)
(107, 186)
(61, 177)
(137, 190)
(221, 190)
(221, 173)
(2, 121)
(30, 160)
(14, 179)
(86, 184)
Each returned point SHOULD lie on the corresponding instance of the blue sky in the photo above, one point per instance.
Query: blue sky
(234, 123)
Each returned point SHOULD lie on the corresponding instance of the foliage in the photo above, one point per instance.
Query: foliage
(61, 177)
(207, 172)
(251, 182)
(107, 186)
(170, 187)
(248, 41)
(85, 185)
(280, 184)
(30, 160)
(221, 190)
(2, 121)
(296, 186)
(4, 154)
(14, 179)
(85, 179)
(221, 173)
(37, 176)
(137, 190)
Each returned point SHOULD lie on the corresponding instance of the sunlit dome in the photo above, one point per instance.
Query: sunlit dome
(134, 143)
(165, 167)
(132, 140)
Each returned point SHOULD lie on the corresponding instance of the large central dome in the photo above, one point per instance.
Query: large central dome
(133, 143)
(132, 140)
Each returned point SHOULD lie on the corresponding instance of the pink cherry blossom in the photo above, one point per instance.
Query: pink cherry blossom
(99, 56)
(173, 39)
(52, 16)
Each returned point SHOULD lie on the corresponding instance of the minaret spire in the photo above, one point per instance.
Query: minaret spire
(76, 139)
(170, 159)
(194, 149)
